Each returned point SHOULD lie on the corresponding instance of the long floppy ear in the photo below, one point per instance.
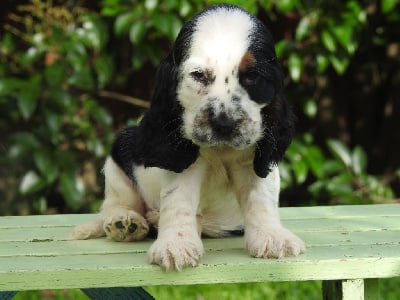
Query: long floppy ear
(163, 145)
(278, 121)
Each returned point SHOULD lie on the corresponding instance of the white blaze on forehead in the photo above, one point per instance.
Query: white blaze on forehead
(221, 34)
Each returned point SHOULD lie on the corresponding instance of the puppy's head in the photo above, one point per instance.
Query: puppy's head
(225, 85)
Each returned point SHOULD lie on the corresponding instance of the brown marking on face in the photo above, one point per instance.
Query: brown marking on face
(247, 61)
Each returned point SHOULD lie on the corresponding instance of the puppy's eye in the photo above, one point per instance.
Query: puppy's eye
(200, 77)
(250, 78)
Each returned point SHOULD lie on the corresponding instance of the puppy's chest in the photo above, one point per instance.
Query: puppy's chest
(217, 191)
(224, 168)
(224, 174)
(219, 177)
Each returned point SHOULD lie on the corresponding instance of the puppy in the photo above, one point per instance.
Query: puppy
(203, 160)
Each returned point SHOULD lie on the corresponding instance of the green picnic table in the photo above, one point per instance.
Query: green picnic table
(348, 247)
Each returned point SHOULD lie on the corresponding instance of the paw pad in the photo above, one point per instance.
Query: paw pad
(126, 228)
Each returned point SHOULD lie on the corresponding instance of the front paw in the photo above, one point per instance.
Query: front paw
(275, 242)
(176, 251)
(126, 226)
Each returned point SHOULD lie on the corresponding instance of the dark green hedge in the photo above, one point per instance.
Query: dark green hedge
(73, 73)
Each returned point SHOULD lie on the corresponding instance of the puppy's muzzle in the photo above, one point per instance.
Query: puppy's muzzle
(222, 125)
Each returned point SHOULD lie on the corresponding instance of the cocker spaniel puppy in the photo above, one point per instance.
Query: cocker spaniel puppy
(203, 160)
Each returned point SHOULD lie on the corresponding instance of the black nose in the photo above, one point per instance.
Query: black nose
(222, 125)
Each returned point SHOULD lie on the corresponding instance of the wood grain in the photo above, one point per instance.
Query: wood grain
(343, 242)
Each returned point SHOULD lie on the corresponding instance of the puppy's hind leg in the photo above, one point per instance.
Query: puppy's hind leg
(123, 208)
(93, 229)
(121, 216)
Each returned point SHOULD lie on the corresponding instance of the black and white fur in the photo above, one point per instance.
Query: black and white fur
(203, 160)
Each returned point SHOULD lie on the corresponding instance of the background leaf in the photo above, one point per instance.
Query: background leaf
(388, 5)
(328, 40)
(340, 64)
(27, 96)
(71, 189)
(339, 150)
(295, 66)
(137, 32)
(30, 183)
(123, 22)
(359, 160)
(46, 165)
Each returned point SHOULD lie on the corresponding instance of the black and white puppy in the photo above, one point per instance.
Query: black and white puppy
(203, 160)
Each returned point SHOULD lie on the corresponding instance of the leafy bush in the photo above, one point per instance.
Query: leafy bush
(340, 177)
(54, 129)
(147, 24)
(326, 39)
(58, 63)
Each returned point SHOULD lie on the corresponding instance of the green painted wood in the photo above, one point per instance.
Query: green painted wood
(217, 267)
(44, 220)
(344, 242)
(104, 246)
(118, 293)
(287, 213)
(317, 226)
(353, 289)
(331, 255)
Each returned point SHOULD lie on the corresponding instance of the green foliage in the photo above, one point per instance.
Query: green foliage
(48, 110)
(325, 35)
(55, 61)
(148, 24)
(339, 176)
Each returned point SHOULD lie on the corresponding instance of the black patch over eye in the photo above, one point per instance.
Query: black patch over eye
(200, 76)
(259, 88)
(250, 78)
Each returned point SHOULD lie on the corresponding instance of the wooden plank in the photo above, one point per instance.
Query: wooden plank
(215, 257)
(66, 220)
(52, 246)
(34, 253)
(96, 246)
(313, 239)
(34, 234)
(127, 270)
(340, 211)
(353, 289)
(317, 226)
(345, 224)
(287, 213)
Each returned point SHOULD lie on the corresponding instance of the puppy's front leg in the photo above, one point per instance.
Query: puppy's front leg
(178, 243)
(265, 237)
